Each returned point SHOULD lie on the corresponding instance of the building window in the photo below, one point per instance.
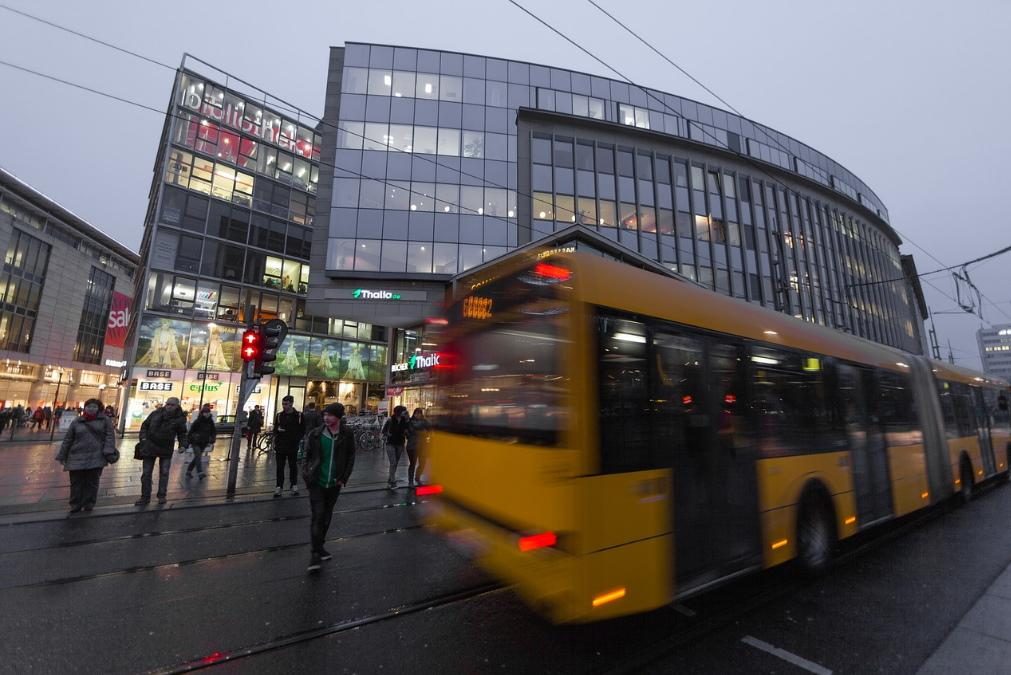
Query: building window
(94, 317)
(21, 281)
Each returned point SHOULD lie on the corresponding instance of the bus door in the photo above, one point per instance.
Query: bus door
(868, 452)
(983, 424)
(698, 409)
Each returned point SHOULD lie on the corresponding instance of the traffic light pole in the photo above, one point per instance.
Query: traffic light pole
(246, 385)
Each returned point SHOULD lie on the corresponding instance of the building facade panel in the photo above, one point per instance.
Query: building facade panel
(995, 350)
(233, 206)
(439, 167)
(56, 347)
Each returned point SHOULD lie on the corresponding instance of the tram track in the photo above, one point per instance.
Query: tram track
(309, 634)
(62, 581)
(193, 530)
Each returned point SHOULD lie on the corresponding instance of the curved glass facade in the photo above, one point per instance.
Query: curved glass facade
(442, 161)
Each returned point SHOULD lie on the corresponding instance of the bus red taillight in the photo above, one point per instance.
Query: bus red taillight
(535, 541)
(548, 271)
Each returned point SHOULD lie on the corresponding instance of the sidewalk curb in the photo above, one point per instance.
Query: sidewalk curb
(51, 515)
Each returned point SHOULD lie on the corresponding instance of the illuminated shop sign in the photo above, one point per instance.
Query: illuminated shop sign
(209, 387)
(156, 386)
(416, 362)
(270, 129)
(159, 373)
(368, 294)
(113, 363)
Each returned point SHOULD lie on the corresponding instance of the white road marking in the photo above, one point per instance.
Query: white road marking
(798, 661)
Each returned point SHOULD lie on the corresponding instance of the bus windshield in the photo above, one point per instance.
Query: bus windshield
(503, 374)
(505, 380)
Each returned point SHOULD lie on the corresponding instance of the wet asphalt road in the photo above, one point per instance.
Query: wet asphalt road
(226, 584)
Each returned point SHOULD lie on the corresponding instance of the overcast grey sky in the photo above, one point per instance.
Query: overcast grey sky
(914, 97)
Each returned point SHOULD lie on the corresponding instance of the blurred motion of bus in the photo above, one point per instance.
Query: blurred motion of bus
(612, 440)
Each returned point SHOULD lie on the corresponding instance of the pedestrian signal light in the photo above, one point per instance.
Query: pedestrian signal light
(251, 345)
(273, 332)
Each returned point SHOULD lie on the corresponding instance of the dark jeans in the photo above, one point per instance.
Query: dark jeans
(290, 457)
(321, 501)
(84, 487)
(198, 455)
(164, 464)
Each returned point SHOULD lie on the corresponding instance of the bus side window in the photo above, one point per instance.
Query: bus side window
(948, 408)
(898, 414)
(790, 402)
(679, 415)
(623, 376)
(965, 418)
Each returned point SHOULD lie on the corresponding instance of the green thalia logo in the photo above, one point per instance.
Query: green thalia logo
(365, 294)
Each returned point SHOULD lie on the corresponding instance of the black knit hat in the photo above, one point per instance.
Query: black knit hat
(335, 409)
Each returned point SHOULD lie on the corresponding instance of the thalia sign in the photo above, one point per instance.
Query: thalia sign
(416, 362)
(366, 294)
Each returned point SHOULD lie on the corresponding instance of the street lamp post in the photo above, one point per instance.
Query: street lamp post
(56, 398)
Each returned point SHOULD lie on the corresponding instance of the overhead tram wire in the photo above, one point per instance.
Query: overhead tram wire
(339, 129)
(292, 108)
(770, 137)
(422, 157)
(1002, 251)
(743, 157)
(169, 114)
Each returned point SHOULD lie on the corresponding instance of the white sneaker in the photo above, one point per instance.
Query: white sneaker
(294, 490)
(277, 492)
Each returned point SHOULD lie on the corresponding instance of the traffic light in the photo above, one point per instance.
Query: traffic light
(252, 345)
(273, 333)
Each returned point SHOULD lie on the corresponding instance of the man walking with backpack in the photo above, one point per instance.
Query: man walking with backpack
(329, 459)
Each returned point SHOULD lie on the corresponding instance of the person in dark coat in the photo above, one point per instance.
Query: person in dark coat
(201, 438)
(158, 434)
(417, 437)
(254, 424)
(288, 432)
(329, 460)
(89, 445)
(311, 417)
(395, 434)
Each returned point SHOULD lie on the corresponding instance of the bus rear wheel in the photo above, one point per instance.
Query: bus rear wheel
(816, 538)
(965, 473)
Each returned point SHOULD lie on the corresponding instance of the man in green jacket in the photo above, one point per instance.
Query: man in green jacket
(329, 459)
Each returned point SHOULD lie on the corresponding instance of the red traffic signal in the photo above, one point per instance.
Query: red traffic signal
(252, 344)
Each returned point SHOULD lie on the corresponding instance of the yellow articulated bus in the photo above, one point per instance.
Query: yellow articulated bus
(611, 440)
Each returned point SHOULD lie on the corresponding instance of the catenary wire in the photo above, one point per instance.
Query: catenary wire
(648, 93)
(776, 141)
(395, 185)
(572, 212)
(168, 114)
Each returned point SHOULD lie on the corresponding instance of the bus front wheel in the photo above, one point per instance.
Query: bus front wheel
(816, 537)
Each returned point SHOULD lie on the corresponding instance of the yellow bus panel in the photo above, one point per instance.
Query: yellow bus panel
(780, 481)
(970, 446)
(908, 467)
(523, 485)
(623, 507)
(632, 578)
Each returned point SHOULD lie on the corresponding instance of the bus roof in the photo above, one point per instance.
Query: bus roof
(613, 284)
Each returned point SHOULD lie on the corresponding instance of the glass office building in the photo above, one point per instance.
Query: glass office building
(65, 292)
(232, 209)
(434, 162)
